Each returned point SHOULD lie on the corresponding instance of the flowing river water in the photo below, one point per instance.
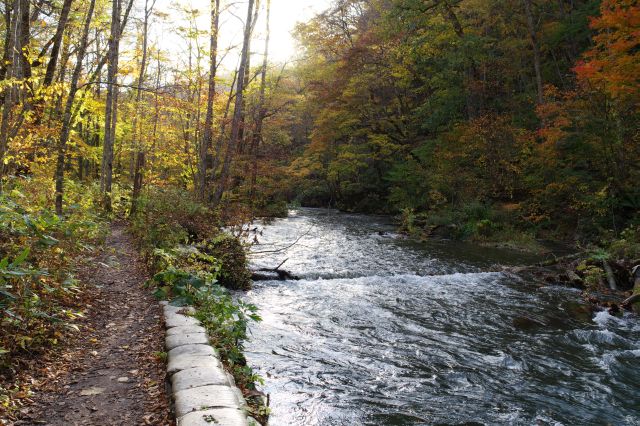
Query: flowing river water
(382, 330)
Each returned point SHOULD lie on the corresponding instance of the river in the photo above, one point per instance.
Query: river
(382, 330)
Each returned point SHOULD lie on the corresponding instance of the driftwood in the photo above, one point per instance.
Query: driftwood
(631, 300)
(635, 298)
(269, 274)
(557, 260)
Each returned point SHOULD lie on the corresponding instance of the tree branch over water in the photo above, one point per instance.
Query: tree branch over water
(283, 249)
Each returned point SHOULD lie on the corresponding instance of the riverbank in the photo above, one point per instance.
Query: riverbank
(606, 281)
(195, 263)
(81, 327)
(602, 269)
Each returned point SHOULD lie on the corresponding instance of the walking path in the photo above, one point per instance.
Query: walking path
(113, 374)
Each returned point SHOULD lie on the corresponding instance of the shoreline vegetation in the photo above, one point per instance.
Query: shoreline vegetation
(196, 263)
(606, 271)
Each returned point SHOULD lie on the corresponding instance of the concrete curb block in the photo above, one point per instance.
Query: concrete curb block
(202, 391)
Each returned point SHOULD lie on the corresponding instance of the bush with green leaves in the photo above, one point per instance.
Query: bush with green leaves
(226, 318)
(234, 273)
(39, 253)
(169, 217)
(173, 229)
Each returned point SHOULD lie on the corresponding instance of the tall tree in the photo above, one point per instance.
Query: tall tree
(261, 108)
(536, 50)
(57, 42)
(14, 71)
(140, 151)
(67, 118)
(207, 136)
(238, 112)
(247, 80)
(111, 104)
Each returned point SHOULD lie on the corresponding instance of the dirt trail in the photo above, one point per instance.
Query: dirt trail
(112, 374)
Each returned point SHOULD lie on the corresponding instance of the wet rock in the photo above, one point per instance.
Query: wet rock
(525, 323)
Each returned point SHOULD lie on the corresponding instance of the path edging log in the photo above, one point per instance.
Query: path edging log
(203, 392)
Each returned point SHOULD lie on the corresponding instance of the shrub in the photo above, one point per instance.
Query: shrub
(38, 253)
(225, 318)
(230, 252)
(628, 245)
(169, 217)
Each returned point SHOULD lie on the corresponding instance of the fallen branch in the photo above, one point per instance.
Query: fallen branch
(283, 248)
(631, 300)
(281, 274)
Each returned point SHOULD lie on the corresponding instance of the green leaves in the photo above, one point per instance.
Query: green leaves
(38, 248)
(225, 317)
(14, 269)
(180, 286)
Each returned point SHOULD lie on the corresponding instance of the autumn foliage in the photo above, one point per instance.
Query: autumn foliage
(613, 64)
(433, 107)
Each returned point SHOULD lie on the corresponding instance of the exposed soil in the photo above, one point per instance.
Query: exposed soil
(113, 373)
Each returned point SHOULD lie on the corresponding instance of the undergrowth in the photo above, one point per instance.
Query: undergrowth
(40, 296)
(195, 264)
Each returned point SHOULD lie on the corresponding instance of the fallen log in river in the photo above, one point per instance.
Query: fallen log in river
(271, 274)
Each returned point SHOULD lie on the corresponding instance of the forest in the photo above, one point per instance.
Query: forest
(512, 123)
(497, 117)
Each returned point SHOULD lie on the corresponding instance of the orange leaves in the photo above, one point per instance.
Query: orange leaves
(613, 64)
(555, 118)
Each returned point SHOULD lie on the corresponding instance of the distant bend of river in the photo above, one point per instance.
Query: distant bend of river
(381, 330)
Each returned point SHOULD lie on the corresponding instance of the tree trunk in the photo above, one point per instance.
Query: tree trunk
(536, 51)
(57, 42)
(8, 40)
(237, 113)
(25, 34)
(107, 147)
(257, 134)
(247, 81)
(13, 70)
(140, 151)
(223, 127)
(207, 137)
(66, 121)
(111, 105)
(156, 115)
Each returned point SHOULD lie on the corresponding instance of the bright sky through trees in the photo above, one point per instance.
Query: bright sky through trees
(285, 14)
